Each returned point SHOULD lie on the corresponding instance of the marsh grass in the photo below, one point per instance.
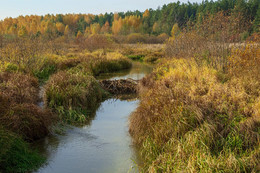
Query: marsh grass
(16, 155)
(72, 96)
(146, 53)
(194, 118)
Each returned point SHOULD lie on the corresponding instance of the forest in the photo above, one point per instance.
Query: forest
(244, 14)
(197, 110)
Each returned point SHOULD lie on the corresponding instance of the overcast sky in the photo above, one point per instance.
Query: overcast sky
(14, 8)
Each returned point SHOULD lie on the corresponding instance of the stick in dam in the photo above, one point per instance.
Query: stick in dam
(122, 86)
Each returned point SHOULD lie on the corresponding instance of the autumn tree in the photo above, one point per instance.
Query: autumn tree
(66, 30)
(105, 28)
(156, 28)
(175, 31)
(146, 13)
(117, 25)
(95, 28)
(22, 32)
(60, 27)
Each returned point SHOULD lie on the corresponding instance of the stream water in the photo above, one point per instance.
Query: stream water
(101, 146)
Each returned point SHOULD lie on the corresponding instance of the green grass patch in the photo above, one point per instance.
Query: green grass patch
(16, 155)
(136, 57)
(109, 66)
(44, 73)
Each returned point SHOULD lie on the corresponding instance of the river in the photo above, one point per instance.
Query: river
(101, 146)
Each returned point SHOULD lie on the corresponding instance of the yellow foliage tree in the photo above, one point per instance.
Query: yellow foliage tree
(146, 13)
(156, 27)
(175, 31)
(87, 31)
(79, 35)
(95, 28)
(105, 28)
(116, 16)
(117, 25)
(67, 30)
(60, 27)
(22, 32)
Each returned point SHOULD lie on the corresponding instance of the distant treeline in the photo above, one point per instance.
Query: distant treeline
(152, 22)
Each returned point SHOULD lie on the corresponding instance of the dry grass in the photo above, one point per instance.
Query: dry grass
(19, 87)
(19, 112)
(27, 120)
(193, 118)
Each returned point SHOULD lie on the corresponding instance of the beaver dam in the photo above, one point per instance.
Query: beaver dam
(104, 144)
(121, 86)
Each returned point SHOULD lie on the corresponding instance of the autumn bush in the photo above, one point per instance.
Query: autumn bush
(24, 53)
(19, 87)
(194, 118)
(96, 41)
(135, 38)
(19, 96)
(162, 38)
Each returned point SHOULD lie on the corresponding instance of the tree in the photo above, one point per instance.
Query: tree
(95, 28)
(156, 28)
(146, 13)
(105, 28)
(66, 30)
(175, 31)
(22, 32)
(117, 26)
(60, 27)
(79, 35)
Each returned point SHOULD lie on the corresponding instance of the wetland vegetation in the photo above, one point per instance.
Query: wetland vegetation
(195, 69)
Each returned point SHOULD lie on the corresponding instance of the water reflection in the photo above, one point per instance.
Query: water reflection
(138, 71)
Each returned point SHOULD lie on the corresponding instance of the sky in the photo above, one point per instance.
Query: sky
(15, 8)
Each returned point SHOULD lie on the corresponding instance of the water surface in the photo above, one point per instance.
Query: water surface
(103, 145)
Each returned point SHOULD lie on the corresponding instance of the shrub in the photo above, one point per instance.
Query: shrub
(23, 53)
(135, 38)
(21, 88)
(162, 37)
(96, 41)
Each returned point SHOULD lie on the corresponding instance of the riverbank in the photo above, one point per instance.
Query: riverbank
(71, 94)
(195, 118)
